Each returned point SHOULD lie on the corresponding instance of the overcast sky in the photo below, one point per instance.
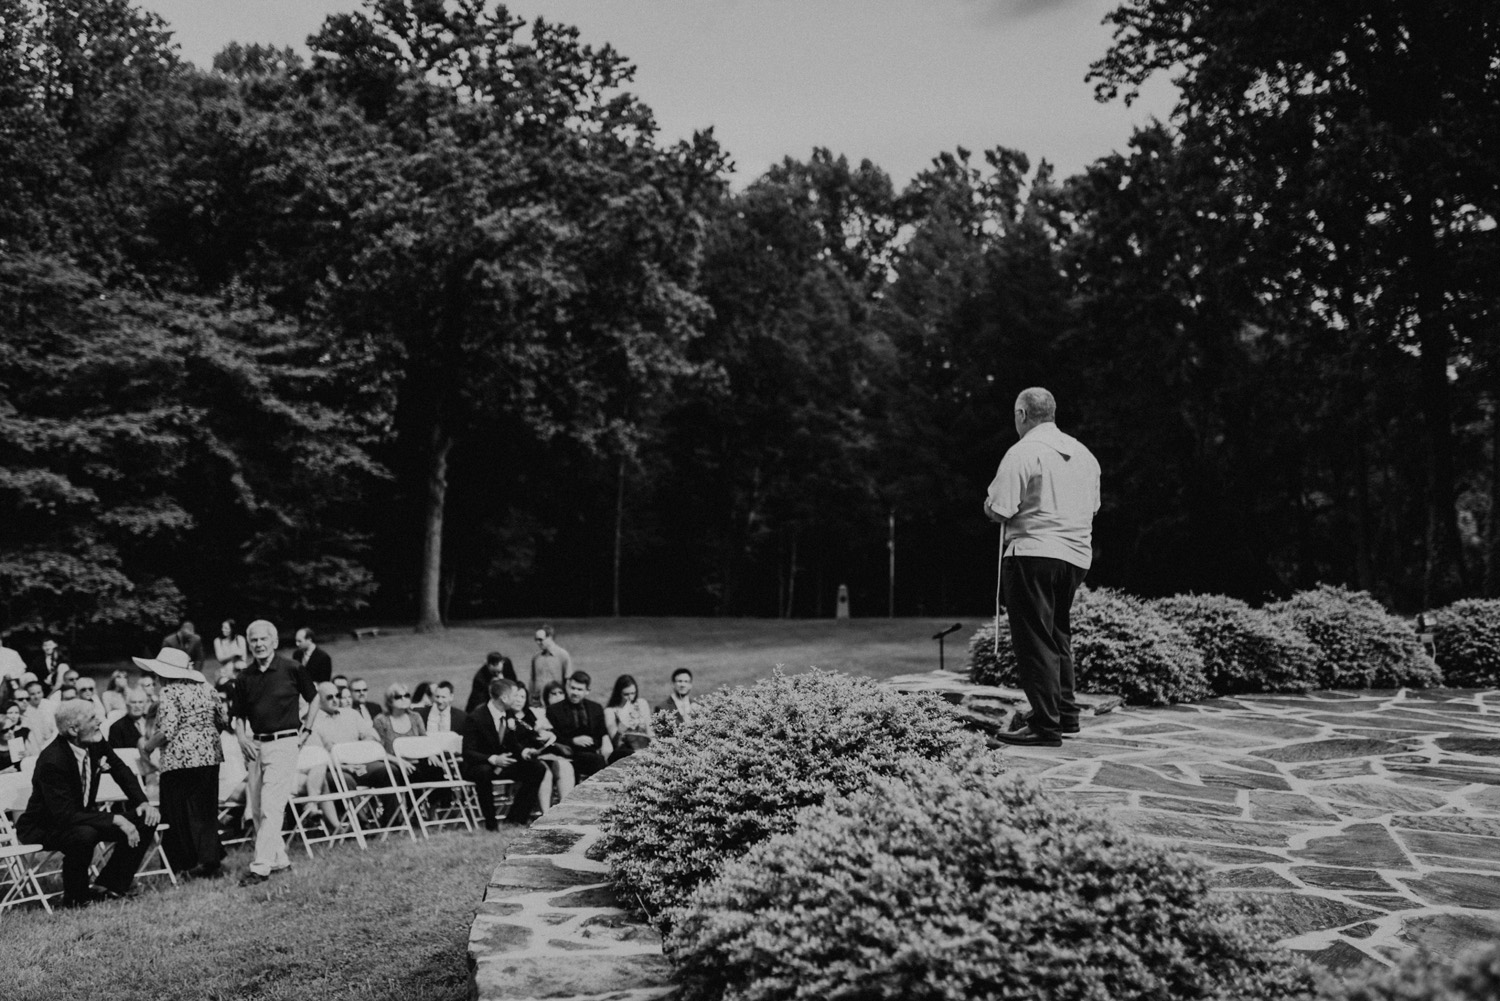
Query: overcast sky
(895, 81)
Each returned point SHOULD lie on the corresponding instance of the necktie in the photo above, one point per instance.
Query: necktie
(83, 767)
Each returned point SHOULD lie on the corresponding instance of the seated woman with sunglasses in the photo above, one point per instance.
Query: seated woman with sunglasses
(398, 720)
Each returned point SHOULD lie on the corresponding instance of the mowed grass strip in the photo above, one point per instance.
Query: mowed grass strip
(387, 924)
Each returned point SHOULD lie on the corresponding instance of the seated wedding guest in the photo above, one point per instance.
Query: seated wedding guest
(578, 722)
(87, 690)
(39, 717)
(63, 815)
(230, 650)
(627, 718)
(559, 768)
(340, 724)
(495, 748)
(398, 720)
(496, 665)
(12, 736)
(133, 729)
(442, 716)
(681, 699)
(69, 683)
(113, 695)
(360, 689)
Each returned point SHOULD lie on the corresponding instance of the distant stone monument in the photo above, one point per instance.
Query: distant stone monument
(841, 610)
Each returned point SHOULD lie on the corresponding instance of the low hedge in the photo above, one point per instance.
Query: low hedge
(1474, 976)
(1466, 636)
(954, 882)
(1120, 645)
(747, 760)
(1244, 649)
(1360, 644)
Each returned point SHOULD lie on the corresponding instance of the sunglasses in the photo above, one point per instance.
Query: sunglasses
(359, 691)
(401, 695)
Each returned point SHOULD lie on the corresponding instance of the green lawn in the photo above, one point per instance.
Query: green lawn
(387, 924)
(720, 652)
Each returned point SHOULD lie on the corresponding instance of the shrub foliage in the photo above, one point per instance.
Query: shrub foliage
(1121, 645)
(1360, 644)
(1244, 649)
(953, 883)
(1474, 976)
(1466, 635)
(747, 760)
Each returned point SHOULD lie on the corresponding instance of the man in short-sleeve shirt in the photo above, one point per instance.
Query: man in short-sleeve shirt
(269, 694)
(1044, 496)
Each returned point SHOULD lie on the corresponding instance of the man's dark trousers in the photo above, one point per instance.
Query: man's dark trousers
(527, 774)
(77, 845)
(1038, 592)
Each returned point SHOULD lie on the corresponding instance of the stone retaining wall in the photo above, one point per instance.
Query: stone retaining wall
(550, 925)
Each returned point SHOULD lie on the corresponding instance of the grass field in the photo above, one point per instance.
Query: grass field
(720, 652)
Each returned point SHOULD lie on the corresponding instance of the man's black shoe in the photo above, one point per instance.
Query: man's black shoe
(205, 872)
(1022, 721)
(90, 896)
(1028, 738)
(252, 878)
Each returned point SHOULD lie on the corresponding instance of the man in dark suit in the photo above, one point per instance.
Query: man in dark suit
(579, 725)
(359, 691)
(681, 699)
(135, 726)
(496, 747)
(186, 639)
(496, 665)
(313, 658)
(62, 814)
(443, 716)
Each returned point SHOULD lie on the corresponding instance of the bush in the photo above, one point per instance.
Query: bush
(1467, 637)
(990, 664)
(747, 760)
(1244, 649)
(1473, 977)
(1360, 644)
(1120, 645)
(957, 883)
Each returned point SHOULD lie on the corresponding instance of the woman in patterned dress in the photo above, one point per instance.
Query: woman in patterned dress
(189, 717)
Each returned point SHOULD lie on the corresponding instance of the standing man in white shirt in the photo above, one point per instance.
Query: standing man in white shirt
(1044, 496)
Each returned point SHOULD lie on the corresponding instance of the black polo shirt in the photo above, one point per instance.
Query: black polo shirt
(268, 699)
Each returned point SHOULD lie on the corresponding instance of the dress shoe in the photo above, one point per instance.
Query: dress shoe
(1022, 721)
(1028, 738)
(253, 879)
(105, 893)
(205, 872)
(92, 895)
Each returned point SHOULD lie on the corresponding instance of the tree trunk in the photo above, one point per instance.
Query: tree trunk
(791, 579)
(429, 615)
(1492, 562)
(619, 531)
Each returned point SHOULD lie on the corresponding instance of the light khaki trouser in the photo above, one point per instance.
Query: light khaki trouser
(272, 778)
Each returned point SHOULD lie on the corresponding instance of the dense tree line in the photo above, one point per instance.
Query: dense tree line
(430, 323)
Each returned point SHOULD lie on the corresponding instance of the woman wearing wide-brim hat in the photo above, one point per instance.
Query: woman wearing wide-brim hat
(188, 720)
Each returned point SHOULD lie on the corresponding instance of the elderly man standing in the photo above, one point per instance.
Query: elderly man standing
(1044, 496)
(62, 814)
(267, 711)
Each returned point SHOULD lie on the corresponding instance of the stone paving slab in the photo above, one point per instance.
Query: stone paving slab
(1368, 822)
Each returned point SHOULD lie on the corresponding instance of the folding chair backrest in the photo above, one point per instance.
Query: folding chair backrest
(15, 792)
(451, 740)
(311, 756)
(418, 748)
(358, 752)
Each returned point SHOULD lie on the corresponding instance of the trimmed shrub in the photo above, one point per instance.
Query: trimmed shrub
(989, 664)
(747, 760)
(1474, 976)
(1120, 645)
(1466, 635)
(1244, 649)
(1360, 644)
(957, 883)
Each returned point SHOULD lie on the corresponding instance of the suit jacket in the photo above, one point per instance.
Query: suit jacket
(57, 800)
(372, 709)
(457, 717)
(318, 665)
(189, 643)
(563, 717)
(669, 705)
(481, 740)
(123, 733)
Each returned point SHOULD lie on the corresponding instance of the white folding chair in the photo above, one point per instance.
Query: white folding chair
(21, 865)
(131, 757)
(322, 787)
(448, 799)
(370, 812)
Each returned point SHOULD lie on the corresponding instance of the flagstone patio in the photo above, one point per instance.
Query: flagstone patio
(1370, 820)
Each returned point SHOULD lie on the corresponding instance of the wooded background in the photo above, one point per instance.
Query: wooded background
(430, 324)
